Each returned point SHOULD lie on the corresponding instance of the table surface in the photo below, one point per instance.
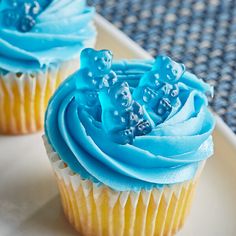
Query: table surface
(199, 33)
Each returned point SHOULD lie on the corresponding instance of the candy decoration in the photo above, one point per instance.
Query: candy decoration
(94, 74)
(158, 89)
(122, 117)
(22, 14)
(26, 23)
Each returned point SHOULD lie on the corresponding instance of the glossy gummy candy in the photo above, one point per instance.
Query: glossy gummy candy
(95, 70)
(158, 88)
(22, 14)
(26, 23)
(94, 74)
(122, 117)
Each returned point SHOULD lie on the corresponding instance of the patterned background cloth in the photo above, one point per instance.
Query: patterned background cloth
(199, 33)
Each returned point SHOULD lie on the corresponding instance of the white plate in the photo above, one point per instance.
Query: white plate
(29, 200)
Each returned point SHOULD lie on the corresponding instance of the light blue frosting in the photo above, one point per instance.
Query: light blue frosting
(61, 31)
(169, 154)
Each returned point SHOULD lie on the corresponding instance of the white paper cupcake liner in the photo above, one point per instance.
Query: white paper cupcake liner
(98, 210)
(24, 96)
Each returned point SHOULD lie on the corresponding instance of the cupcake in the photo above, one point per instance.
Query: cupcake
(127, 141)
(40, 45)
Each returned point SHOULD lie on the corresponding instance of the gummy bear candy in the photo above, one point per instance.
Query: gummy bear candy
(158, 88)
(94, 74)
(122, 117)
(21, 14)
(169, 71)
(26, 23)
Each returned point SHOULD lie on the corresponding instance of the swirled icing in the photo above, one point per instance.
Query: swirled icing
(169, 154)
(61, 30)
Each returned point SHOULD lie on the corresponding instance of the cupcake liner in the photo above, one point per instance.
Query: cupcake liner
(24, 97)
(95, 209)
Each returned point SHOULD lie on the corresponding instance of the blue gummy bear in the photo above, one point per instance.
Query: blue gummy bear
(94, 74)
(99, 62)
(95, 70)
(34, 9)
(21, 14)
(158, 88)
(26, 23)
(168, 70)
(122, 117)
(163, 109)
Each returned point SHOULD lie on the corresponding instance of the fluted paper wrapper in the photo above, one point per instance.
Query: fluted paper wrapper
(24, 96)
(95, 209)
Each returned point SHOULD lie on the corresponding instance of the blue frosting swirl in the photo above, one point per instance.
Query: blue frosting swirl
(60, 32)
(169, 154)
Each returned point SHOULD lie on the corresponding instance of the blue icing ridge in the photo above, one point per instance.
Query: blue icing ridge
(57, 32)
(167, 154)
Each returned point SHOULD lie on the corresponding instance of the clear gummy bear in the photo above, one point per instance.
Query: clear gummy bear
(158, 89)
(122, 117)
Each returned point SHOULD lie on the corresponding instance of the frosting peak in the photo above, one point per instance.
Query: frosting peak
(101, 142)
(52, 32)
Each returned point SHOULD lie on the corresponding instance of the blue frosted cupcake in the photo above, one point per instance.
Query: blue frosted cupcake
(127, 141)
(40, 44)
